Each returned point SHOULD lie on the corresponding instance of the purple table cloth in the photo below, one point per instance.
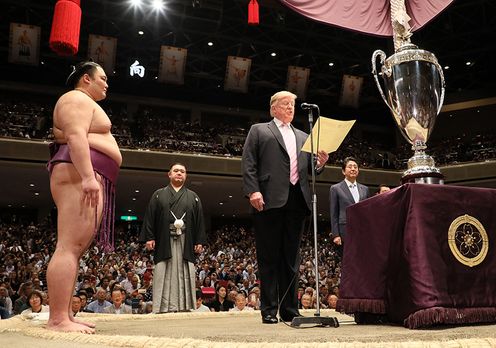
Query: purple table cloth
(398, 260)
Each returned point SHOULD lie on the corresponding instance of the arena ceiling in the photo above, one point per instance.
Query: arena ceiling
(463, 33)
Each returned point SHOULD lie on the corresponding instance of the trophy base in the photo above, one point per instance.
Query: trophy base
(423, 178)
(421, 168)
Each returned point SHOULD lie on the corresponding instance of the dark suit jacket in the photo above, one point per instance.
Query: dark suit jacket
(266, 165)
(341, 198)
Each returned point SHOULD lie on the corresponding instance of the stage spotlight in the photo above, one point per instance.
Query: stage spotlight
(135, 3)
(210, 43)
(158, 5)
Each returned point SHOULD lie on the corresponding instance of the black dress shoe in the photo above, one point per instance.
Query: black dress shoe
(289, 317)
(269, 319)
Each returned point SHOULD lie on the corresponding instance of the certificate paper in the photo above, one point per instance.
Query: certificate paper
(332, 133)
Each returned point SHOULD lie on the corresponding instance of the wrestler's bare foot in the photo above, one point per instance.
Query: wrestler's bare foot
(70, 326)
(88, 324)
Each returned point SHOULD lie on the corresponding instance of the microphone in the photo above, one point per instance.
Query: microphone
(306, 106)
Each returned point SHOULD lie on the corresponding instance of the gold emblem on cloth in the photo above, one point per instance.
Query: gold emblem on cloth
(468, 240)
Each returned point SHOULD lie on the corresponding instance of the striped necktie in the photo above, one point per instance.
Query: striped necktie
(354, 192)
(290, 142)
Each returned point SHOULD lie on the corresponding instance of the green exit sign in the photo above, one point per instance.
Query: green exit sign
(129, 218)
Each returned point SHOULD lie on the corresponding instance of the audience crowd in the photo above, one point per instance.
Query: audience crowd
(162, 130)
(121, 281)
(24, 119)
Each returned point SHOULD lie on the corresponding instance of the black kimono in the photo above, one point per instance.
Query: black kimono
(174, 274)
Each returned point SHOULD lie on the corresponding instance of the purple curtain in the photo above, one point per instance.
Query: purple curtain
(367, 16)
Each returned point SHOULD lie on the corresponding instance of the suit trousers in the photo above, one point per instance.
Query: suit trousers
(278, 234)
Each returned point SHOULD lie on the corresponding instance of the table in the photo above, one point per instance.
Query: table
(422, 255)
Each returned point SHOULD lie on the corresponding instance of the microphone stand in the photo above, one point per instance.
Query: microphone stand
(317, 318)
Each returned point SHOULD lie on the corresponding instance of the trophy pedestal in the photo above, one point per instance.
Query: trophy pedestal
(423, 178)
(421, 168)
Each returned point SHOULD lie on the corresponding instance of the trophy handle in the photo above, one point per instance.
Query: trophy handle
(382, 56)
(443, 85)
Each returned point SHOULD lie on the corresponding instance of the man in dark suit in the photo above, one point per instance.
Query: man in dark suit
(275, 178)
(342, 195)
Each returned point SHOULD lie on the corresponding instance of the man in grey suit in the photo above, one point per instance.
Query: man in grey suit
(117, 306)
(341, 196)
(275, 178)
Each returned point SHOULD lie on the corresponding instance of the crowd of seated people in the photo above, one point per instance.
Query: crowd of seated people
(226, 272)
(454, 150)
(160, 130)
(24, 119)
(155, 132)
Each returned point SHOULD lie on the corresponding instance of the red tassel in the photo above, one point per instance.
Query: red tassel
(253, 17)
(64, 38)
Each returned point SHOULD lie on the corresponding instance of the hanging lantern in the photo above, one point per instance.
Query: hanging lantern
(64, 37)
(253, 17)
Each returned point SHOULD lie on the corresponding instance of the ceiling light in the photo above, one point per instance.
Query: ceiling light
(446, 67)
(273, 54)
(36, 193)
(31, 185)
(129, 210)
(468, 63)
(134, 198)
(331, 64)
(157, 5)
(230, 196)
(137, 191)
(210, 43)
(141, 32)
(221, 203)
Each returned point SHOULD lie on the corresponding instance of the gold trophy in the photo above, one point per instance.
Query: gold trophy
(414, 92)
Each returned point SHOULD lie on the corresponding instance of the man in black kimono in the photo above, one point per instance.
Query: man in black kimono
(174, 228)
